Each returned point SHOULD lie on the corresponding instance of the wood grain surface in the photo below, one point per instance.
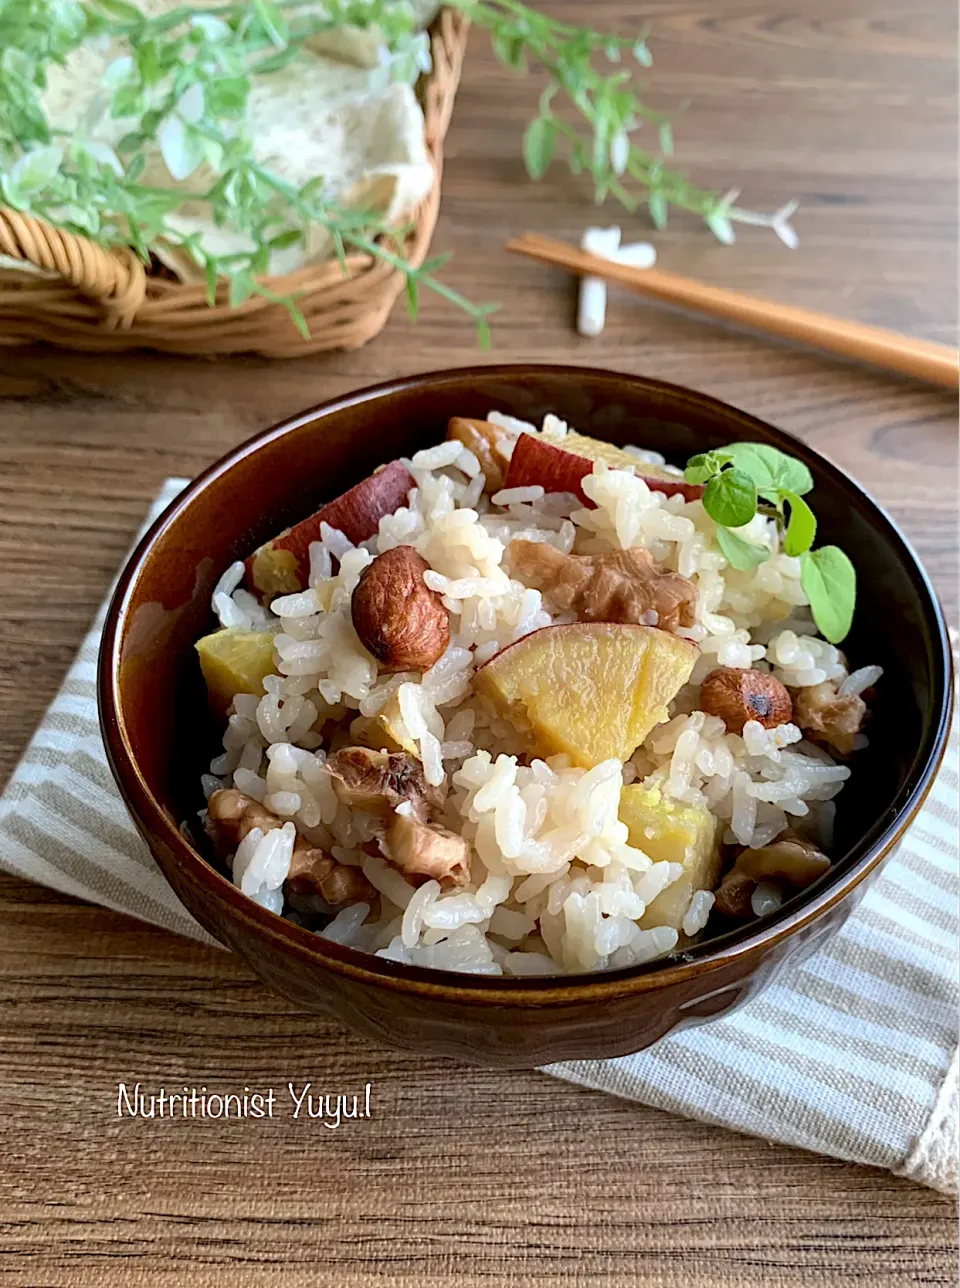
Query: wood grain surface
(464, 1177)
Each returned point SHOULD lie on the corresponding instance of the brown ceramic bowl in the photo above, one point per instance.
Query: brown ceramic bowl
(159, 739)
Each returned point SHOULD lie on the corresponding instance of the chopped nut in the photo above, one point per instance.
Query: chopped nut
(379, 781)
(489, 443)
(621, 586)
(819, 709)
(231, 815)
(313, 871)
(734, 895)
(790, 858)
(737, 695)
(426, 849)
(397, 617)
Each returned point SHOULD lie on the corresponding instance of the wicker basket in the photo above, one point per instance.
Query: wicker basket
(106, 301)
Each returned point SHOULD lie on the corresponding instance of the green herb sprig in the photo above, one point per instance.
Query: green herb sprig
(744, 479)
(610, 107)
(181, 87)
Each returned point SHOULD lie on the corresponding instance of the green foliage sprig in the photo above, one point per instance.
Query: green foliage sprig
(746, 478)
(181, 87)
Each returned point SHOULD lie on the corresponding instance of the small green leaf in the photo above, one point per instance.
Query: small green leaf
(721, 227)
(228, 95)
(436, 262)
(666, 138)
(702, 467)
(771, 470)
(299, 321)
(271, 20)
(731, 498)
(117, 72)
(242, 287)
(539, 142)
(740, 554)
(212, 152)
(619, 151)
(802, 527)
(830, 582)
(148, 62)
(510, 49)
(190, 106)
(657, 205)
(121, 10)
(282, 241)
(181, 149)
(210, 277)
(642, 54)
(413, 297)
(35, 169)
(213, 28)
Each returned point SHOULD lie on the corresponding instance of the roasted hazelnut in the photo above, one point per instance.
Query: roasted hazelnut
(396, 615)
(737, 696)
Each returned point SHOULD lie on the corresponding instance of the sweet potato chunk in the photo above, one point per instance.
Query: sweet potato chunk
(671, 832)
(593, 690)
(538, 460)
(234, 661)
(489, 443)
(282, 565)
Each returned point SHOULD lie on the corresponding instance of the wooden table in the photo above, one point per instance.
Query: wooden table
(465, 1177)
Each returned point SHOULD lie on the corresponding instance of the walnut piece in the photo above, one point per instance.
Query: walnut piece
(491, 445)
(397, 617)
(232, 814)
(737, 695)
(313, 871)
(791, 858)
(379, 781)
(425, 849)
(621, 586)
(836, 720)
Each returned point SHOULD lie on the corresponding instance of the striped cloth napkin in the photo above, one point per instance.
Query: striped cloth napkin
(853, 1053)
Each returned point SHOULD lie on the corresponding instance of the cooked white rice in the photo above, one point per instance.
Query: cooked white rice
(555, 885)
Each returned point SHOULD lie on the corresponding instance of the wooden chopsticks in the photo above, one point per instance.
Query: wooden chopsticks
(922, 359)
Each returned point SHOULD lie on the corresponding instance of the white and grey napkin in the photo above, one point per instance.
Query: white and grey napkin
(853, 1053)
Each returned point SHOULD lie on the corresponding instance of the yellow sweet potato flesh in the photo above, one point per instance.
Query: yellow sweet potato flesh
(671, 832)
(234, 661)
(592, 690)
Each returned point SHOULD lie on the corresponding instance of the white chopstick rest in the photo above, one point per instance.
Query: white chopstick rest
(605, 242)
(592, 305)
(637, 255)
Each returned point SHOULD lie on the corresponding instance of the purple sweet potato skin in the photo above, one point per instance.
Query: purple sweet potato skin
(357, 513)
(536, 461)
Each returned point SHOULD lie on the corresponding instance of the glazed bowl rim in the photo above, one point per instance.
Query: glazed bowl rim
(699, 960)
